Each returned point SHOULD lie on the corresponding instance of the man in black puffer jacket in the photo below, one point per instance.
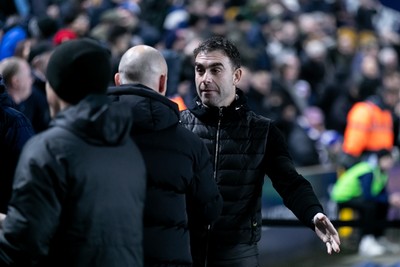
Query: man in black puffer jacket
(178, 163)
(79, 187)
(245, 147)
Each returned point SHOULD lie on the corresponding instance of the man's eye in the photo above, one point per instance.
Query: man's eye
(199, 70)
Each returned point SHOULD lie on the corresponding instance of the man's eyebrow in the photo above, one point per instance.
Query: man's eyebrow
(212, 65)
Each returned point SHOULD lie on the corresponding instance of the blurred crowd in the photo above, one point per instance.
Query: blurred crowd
(306, 62)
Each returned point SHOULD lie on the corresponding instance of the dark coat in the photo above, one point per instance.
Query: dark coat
(245, 147)
(78, 194)
(15, 130)
(179, 168)
(36, 109)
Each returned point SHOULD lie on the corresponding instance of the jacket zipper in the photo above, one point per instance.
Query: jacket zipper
(215, 178)
(217, 143)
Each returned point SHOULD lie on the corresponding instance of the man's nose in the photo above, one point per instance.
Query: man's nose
(206, 77)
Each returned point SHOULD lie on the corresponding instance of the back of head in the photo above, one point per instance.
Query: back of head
(221, 44)
(142, 64)
(78, 68)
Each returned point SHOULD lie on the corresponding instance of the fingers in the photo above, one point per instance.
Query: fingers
(335, 247)
(332, 245)
(331, 231)
(328, 247)
(336, 238)
(327, 232)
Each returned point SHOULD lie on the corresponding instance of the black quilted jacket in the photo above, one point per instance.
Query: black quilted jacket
(245, 147)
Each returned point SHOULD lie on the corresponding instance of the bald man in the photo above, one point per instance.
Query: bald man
(180, 183)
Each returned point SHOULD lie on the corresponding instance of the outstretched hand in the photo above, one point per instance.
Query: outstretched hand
(327, 233)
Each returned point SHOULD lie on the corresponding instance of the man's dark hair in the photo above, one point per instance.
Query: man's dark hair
(220, 43)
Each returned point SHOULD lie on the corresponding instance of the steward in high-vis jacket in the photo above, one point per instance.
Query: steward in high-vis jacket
(363, 187)
(370, 128)
(363, 180)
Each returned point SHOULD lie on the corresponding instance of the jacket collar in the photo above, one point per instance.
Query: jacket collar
(151, 111)
(238, 108)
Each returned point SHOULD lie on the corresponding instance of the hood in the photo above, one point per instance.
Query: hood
(96, 120)
(151, 111)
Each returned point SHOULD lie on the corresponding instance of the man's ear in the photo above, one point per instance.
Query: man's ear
(117, 79)
(237, 75)
(53, 100)
(162, 85)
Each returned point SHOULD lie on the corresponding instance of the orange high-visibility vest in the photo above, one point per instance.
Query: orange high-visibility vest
(179, 100)
(369, 128)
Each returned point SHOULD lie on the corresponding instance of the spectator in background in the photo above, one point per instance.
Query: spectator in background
(15, 130)
(350, 91)
(288, 82)
(369, 79)
(388, 60)
(365, 14)
(38, 58)
(259, 94)
(364, 188)
(43, 28)
(370, 127)
(244, 147)
(18, 79)
(326, 142)
(315, 68)
(368, 46)
(118, 41)
(80, 184)
(75, 25)
(179, 169)
(341, 55)
(36, 104)
(14, 32)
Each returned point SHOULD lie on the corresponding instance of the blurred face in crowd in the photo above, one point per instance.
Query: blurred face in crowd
(17, 77)
(391, 94)
(25, 80)
(216, 78)
(81, 24)
(386, 162)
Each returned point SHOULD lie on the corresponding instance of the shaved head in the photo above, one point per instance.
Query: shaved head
(145, 65)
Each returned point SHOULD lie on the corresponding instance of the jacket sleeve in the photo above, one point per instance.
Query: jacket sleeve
(19, 133)
(35, 206)
(204, 198)
(296, 192)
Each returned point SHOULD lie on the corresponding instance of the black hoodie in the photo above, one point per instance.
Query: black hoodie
(79, 192)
